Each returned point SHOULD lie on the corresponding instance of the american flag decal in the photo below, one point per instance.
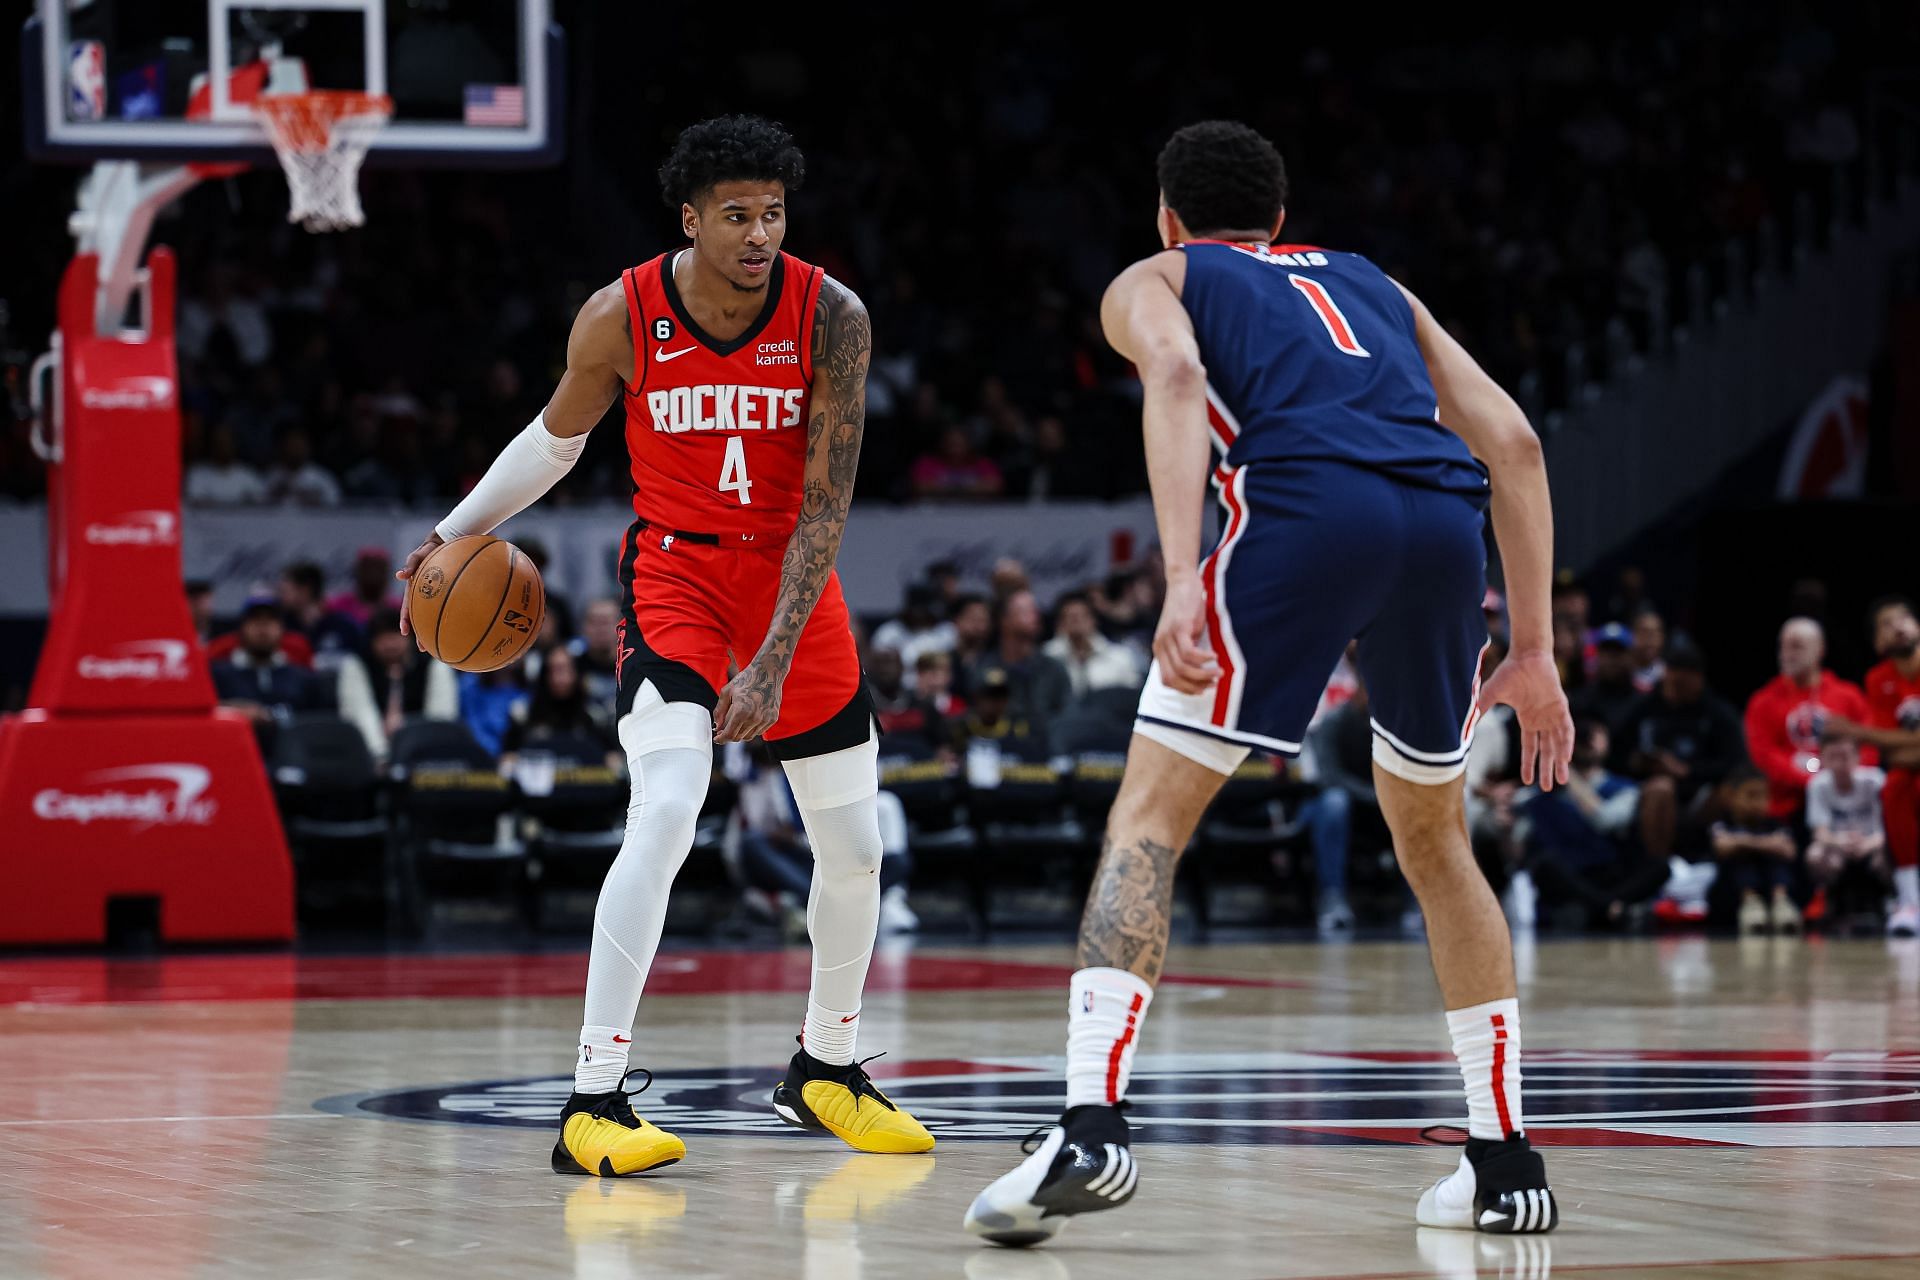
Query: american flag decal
(496, 104)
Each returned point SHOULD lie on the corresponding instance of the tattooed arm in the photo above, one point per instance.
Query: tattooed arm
(842, 344)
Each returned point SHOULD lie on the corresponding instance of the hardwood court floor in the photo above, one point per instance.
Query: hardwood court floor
(1711, 1110)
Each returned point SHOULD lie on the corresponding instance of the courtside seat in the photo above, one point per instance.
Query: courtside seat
(943, 844)
(573, 817)
(448, 800)
(1029, 831)
(1239, 837)
(327, 789)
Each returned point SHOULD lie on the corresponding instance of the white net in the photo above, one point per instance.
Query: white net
(321, 138)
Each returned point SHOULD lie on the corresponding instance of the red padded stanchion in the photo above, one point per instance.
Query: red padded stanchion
(123, 779)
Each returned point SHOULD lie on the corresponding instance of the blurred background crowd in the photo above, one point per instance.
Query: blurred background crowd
(1560, 203)
(1689, 802)
(1579, 204)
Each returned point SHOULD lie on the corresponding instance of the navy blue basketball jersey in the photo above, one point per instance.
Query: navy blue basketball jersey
(1311, 354)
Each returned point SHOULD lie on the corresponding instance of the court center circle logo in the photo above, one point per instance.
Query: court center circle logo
(1574, 1098)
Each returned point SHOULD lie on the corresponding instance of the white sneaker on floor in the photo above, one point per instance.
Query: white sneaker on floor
(1499, 1188)
(1081, 1165)
(895, 915)
(1335, 915)
(1904, 922)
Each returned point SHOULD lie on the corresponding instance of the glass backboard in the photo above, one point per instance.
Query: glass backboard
(474, 83)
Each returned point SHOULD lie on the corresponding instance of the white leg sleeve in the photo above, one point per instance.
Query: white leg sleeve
(670, 754)
(836, 796)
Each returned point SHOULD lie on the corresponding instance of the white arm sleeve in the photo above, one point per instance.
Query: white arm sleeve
(531, 464)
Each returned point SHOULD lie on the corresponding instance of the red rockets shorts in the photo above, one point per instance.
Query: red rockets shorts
(693, 611)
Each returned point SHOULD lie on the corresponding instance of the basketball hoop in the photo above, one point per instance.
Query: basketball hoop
(321, 137)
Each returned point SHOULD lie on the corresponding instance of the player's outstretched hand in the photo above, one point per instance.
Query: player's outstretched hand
(1178, 642)
(406, 571)
(1530, 684)
(749, 704)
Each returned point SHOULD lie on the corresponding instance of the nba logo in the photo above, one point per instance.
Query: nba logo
(1086, 1002)
(86, 80)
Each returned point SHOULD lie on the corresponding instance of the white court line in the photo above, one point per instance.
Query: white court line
(287, 1115)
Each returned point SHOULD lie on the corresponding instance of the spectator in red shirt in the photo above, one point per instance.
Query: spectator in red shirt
(1893, 693)
(897, 708)
(1787, 716)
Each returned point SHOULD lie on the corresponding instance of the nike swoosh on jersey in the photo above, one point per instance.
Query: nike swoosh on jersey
(849, 1019)
(663, 355)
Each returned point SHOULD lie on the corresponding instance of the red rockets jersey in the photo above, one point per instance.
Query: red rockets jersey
(717, 431)
(1895, 698)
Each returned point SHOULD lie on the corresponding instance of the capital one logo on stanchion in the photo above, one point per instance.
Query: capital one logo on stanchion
(136, 529)
(146, 661)
(137, 392)
(175, 795)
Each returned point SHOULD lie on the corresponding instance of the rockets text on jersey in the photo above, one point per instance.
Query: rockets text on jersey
(711, 407)
(716, 429)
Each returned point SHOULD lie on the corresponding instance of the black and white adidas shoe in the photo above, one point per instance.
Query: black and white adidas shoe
(1081, 1165)
(1500, 1188)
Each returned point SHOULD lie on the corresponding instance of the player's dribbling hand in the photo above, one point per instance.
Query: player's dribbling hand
(1530, 684)
(406, 571)
(749, 705)
(1177, 642)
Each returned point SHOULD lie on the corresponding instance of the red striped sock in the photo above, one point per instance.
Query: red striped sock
(1103, 1027)
(1486, 1040)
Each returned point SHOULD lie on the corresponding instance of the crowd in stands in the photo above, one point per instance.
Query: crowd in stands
(1800, 812)
(1541, 199)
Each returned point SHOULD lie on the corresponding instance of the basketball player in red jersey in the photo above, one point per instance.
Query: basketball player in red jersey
(1893, 694)
(744, 372)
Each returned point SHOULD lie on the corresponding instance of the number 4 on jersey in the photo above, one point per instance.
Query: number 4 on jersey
(733, 472)
(1330, 315)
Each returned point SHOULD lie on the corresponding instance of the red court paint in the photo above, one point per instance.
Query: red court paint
(282, 976)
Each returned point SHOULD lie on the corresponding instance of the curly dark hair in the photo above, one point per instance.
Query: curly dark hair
(729, 149)
(1220, 175)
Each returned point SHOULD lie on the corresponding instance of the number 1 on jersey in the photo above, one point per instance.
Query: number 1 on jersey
(1330, 315)
(733, 472)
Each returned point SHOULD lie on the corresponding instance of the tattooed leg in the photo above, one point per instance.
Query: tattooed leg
(1130, 908)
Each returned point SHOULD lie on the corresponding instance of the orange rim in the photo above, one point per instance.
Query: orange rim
(304, 121)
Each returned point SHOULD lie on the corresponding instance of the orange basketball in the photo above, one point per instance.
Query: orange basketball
(477, 603)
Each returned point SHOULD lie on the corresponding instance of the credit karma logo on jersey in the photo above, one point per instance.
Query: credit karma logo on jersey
(1584, 1098)
(136, 529)
(142, 660)
(710, 407)
(138, 392)
(174, 795)
(787, 352)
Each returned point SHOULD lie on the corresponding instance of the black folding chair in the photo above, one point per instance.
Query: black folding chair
(1239, 837)
(943, 844)
(448, 799)
(1028, 829)
(575, 816)
(328, 793)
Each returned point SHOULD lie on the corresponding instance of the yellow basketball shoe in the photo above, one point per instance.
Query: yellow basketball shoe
(842, 1101)
(599, 1134)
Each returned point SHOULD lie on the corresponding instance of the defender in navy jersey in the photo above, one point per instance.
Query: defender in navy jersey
(1356, 450)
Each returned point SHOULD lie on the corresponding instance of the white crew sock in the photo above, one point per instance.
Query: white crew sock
(603, 1059)
(1486, 1040)
(1103, 1025)
(1906, 886)
(830, 1034)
